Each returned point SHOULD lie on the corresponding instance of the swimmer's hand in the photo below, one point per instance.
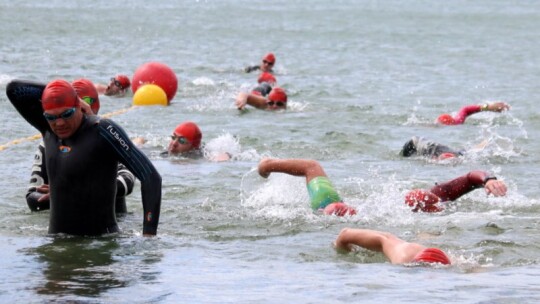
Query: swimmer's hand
(250, 69)
(340, 249)
(495, 187)
(45, 190)
(139, 141)
(221, 157)
(241, 100)
(44, 198)
(86, 109)
(498, 107)
(264, 167)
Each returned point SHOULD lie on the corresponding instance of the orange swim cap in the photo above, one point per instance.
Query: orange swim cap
(432, 255)
(446, 119)
(423, 200)
(339, 209)
(277, 94)
(267, 77)
(87, 91)
(270, 58)
(190, 131)
(59, 94)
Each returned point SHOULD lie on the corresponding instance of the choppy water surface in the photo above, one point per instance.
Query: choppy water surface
(362, 76)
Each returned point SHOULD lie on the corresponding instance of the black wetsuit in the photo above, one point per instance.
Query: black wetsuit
(125, 181)
(421, 146)
(252, 68)
(82, 169)
(263, 89)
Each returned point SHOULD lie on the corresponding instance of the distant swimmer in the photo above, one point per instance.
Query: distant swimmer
(37, 196)
(275, 100)
(82, 154)
(266, 65)
(431, 200)
(421, 146)
(186, 141)
(395, 249)
(118, 86)
(322, 194)
(459, 118)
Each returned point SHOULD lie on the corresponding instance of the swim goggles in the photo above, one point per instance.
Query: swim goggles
(89, 100)
(180, 139)
(117, 83)
(67, 114)
(277, 103)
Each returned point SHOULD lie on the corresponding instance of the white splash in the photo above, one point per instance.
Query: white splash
(204, 81)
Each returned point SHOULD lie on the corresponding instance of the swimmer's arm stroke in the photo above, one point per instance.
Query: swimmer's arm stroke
(253, 100)
(252, 68)
(141, 167)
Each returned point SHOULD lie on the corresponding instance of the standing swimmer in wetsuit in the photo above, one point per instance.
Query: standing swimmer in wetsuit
(82, 155)
(37, 196)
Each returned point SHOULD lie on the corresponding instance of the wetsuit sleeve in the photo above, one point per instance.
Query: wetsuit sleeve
(26, 97)
(465, 112)
(250, 69)
(263, 88)
(141, 167)
(124, 181)
(38, 178)
(462, 185)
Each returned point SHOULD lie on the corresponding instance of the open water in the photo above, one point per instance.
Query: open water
(362, 77)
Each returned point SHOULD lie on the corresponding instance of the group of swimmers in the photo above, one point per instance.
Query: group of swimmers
(325, 198)
(87, 164)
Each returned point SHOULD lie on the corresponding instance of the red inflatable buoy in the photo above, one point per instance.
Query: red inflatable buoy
(156, 73)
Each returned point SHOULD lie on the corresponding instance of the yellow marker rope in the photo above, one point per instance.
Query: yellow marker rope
(38, 136)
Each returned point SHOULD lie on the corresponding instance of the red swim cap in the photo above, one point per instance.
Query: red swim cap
(87, 92)
(446, 155)
(267, 77)
(59, 94)
(423, 200)
(339, 209)
(446, 119)
(190, 131)
(432, 255)
(270, 58)
(277, 94)
(123, 80)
